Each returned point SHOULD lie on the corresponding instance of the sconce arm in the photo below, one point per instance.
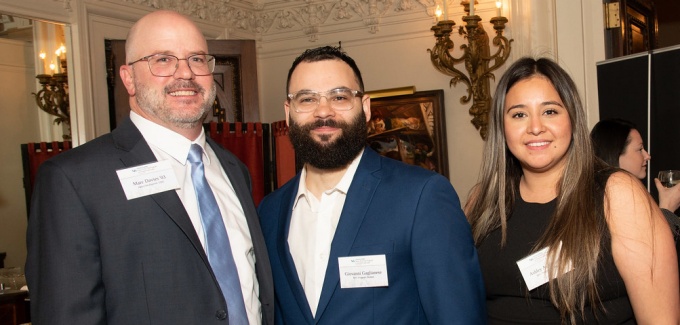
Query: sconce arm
(502, 53)
(443, 61)
(53, 98)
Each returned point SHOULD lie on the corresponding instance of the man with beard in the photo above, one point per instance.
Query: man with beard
(357, 238)
(153, 223)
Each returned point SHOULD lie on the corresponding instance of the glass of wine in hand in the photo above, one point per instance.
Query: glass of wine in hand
(669, 178)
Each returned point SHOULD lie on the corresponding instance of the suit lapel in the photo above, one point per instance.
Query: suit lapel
(128, 138)
(285, 257)
(358, 199)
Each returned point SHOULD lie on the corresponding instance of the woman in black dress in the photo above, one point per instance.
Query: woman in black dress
(561, 236)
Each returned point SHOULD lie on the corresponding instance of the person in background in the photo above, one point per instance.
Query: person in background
(562, 237)
(618, 143)
(125, 229)
(357, 238)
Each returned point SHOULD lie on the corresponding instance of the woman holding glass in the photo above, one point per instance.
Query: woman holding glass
(618, 143)
(562, 237)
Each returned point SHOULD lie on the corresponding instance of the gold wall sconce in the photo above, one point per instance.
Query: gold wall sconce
(52, 98)
(477, 58)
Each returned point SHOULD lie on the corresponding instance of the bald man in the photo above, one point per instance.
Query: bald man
(116, 234)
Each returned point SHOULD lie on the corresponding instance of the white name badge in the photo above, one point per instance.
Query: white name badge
(534, 269)
(363, 271)
(147, 179)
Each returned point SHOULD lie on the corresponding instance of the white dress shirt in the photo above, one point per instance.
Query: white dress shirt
(170, 146)
(312, 227)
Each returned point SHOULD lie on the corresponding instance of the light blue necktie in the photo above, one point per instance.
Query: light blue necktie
(217, 241)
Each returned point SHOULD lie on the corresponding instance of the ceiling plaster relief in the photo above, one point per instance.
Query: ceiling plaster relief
(297, 18)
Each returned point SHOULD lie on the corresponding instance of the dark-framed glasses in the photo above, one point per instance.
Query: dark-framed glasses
(339, 99)
(165, 65)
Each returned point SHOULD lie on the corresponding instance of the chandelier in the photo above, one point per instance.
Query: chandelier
(476, 58)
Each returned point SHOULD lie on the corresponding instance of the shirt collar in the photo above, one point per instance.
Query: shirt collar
(168, 141)
(342, 186)
(346, 180)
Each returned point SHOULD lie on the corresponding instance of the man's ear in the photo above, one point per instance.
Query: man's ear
(286, 108)
(366, 105)
(127, 75)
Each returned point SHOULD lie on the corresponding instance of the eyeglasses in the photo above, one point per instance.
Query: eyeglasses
(165, 65)
(339, 99)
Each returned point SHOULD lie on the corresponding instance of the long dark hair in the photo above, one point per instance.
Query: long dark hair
(577, 224)
(610, 138)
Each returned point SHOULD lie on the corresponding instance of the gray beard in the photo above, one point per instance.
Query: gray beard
(152, 103)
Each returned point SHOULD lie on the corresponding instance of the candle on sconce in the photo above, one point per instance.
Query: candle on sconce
(62, 52)
(446, 10)
(472, 7)
(58, 54)
(499, 4)
(42, 56)
(438, 13)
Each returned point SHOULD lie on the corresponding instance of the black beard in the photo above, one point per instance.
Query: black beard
(326, 154)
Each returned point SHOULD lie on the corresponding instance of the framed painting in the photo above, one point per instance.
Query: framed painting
(411, 128)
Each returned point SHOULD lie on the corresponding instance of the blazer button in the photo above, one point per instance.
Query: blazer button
(221, 314)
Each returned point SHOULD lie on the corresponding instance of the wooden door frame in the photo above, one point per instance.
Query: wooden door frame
(636, 15)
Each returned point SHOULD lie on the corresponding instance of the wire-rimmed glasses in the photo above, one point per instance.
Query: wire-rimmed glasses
(339, 99)
(165, 65)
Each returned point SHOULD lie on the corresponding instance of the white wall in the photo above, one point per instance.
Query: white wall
(580, 45)
(17, 125)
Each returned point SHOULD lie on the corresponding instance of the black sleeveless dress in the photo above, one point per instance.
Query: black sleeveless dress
(506, 292)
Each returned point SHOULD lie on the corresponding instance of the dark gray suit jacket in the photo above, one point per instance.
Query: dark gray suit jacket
(95, 257)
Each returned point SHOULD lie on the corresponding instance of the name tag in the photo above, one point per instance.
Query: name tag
(363, 271)
(147, 179)
(534, 269)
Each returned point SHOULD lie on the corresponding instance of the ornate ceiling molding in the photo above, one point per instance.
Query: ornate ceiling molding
(301, 18)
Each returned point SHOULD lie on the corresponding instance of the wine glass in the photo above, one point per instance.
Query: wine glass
(9, 277)
(669, 178)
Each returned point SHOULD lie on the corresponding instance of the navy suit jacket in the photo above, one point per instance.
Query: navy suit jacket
(95, 257)
(410, 215)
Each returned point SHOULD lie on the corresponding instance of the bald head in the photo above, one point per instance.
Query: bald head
(158, 31)
(179, 101)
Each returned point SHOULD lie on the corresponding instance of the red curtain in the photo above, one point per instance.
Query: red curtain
(33, 155)
(244, 140)
(285, 155)
(37, 153)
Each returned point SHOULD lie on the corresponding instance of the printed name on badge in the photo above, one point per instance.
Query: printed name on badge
(534, 268)
(363, 271)
(147, 179)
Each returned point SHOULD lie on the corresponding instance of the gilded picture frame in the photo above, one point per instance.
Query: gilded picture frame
(411, 128)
